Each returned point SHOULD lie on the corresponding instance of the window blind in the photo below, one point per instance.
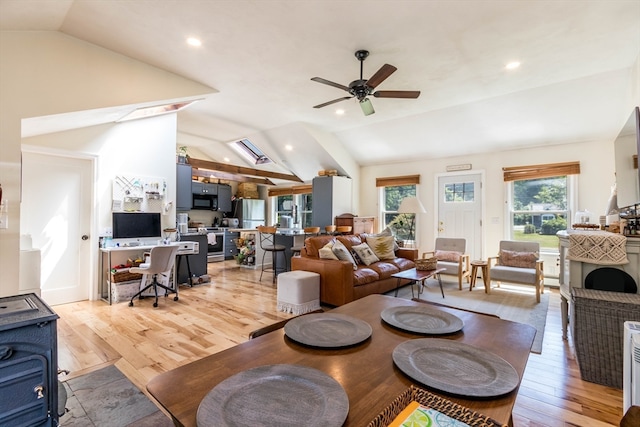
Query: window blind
(541, 171)
(393, 181)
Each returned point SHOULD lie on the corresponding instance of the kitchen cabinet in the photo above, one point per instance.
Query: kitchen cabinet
(184, 199)
(198, 187)
(224, 198)
(331, 197)
(230, 248)
(29, 362)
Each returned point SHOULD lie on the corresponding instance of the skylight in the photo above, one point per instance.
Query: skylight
(251, 152)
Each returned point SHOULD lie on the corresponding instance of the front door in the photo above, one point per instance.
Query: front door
(56, 212)
(460, 209)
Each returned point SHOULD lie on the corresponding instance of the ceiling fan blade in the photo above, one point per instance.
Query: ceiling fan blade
(385, 71)
(332, 102)
(330, 83)
(397, 94)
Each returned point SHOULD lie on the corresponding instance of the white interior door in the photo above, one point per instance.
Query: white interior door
(460, 210)
(56, 212)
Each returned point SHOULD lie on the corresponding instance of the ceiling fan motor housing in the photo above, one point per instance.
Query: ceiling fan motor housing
(359, 89)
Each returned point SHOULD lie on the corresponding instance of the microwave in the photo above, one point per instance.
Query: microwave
(207, 202)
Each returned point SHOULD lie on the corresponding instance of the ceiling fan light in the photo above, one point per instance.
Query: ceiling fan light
(367, 107)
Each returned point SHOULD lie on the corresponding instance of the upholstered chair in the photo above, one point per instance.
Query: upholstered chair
(518, 262)
(452, 256)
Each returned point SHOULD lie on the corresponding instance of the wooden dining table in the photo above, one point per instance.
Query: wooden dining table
(366, 371)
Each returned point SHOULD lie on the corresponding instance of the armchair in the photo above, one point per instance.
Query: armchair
(452, 257)
(518, 262)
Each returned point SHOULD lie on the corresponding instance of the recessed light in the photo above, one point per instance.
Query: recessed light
(512, 65)
(288, 147)
(339, 111)
(226, 159)
(192, 41)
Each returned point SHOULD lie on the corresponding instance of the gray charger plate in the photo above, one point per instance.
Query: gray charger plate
(329, 330)
(455, 367)
(275, 396)
(422, 319)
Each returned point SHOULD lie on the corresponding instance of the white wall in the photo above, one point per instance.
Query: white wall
(595, 180)
(46, 73)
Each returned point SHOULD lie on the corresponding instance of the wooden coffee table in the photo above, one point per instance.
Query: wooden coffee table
(419, 277)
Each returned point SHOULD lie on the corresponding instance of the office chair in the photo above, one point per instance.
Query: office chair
(161, 261)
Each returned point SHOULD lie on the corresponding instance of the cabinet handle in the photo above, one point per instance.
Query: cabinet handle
(5, 352)
(39, 391)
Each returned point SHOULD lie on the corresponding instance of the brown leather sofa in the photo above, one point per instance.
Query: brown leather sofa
(339, 282)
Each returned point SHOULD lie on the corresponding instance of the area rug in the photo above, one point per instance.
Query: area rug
(509, 302)
(107, 398)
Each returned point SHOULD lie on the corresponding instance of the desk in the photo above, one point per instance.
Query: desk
(366, 371)
(121, 253)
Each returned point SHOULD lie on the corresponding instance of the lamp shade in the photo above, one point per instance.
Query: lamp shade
(411, 205)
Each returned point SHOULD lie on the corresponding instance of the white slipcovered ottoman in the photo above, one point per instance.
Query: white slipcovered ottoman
(298, 292)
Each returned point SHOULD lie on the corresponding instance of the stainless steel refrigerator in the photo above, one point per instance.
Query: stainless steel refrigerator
(250, 212)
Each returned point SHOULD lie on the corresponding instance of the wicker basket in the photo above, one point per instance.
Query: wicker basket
(447, 407)
(124, 276)
(426, 263)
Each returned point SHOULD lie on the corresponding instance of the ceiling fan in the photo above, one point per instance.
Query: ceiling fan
(362, 88)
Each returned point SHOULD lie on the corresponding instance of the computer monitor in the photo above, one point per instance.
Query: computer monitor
(133, 225)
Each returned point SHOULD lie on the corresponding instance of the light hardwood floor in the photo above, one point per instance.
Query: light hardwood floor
(143, 342)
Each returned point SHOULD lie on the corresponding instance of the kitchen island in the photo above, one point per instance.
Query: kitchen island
(288, 237)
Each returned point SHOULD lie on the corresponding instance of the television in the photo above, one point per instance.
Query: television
(130, 225)
(626, 146)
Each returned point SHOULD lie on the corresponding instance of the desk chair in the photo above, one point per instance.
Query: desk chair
(161, 261)
(308, 232)
(268, 244)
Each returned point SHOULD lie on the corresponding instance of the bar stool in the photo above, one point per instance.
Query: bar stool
(344, 229)
(268, 244)
(308, 232)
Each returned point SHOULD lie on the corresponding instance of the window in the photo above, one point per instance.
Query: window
(459, 192)
(392, 191)
(540, 204)
(294, 202)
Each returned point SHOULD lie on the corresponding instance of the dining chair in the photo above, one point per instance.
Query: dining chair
(275, 326)
(161, 261)
(268, 244)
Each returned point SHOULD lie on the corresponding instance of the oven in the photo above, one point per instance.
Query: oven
(215, 249)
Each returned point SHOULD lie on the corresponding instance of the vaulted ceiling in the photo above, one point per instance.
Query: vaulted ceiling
(577, 58)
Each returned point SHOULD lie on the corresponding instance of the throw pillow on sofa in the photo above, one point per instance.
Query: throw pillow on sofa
(386, 232)
(326, 252)
(365, 253)
(343, 254)
(518, 259)
(382, 246)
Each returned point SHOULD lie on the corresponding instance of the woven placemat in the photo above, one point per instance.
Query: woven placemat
(447, 407)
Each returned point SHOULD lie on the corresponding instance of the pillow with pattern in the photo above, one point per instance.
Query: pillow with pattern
(450, 256)
(382, 246)
(326, 252)
(518, 259)
(365, 254)
(343, 254)
(386, 232)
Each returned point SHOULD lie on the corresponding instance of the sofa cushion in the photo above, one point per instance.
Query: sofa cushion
(313, 245)
(384, 269)
(343, 253)
(349, 241)
(365, 254)
(450, 256)
(382, 246)
(326, 252)
(518, 259)
(364, 275)
(402, 263)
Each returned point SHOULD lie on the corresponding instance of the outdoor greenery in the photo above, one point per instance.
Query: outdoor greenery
(399, 223)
